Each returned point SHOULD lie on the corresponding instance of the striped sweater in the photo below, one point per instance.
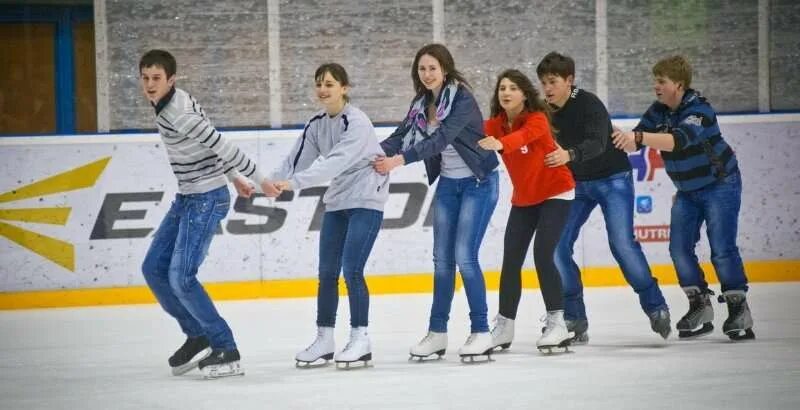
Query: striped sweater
(200, 157)
(701, 155)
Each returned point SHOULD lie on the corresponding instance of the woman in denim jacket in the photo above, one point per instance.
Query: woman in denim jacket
(442, 128)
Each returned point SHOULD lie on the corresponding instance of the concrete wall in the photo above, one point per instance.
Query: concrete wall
(223, 50)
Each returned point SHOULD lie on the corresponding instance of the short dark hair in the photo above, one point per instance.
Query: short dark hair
(159, 58)
(556, 64)
(337, 72)
(445, 59)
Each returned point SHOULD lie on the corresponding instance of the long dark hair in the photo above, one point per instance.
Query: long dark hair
(533, 100)
(445, 59)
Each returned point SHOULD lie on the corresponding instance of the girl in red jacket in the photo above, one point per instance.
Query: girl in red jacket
(520, 130)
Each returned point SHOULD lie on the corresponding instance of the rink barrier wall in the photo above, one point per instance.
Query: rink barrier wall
(757, 271)
(77, 215)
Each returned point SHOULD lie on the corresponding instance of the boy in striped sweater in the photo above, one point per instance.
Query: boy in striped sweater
(704, 169)
(203, 162)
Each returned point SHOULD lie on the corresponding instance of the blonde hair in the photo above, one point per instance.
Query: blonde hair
(676, 68)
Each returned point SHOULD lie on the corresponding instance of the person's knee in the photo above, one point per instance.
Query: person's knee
(180, 284)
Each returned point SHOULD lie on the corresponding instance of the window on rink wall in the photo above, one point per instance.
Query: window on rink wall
(47, 69)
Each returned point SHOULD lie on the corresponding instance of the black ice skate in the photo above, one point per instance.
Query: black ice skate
(580, 328)
(221, 363)
(189, 355)
(739, 324)
(698, 321)
(660, 323)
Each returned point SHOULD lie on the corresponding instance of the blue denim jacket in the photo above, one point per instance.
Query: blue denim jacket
(462, 129)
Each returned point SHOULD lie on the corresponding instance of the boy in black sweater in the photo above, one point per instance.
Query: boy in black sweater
(603, 177)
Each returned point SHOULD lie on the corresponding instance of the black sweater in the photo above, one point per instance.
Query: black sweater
(583, 125)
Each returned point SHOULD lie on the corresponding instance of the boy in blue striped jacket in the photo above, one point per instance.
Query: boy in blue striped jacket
(683, 126)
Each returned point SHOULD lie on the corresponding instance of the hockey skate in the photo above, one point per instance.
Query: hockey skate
(739, 324)
(580, 328)
(477, 349)
(188, 356)
(221, 363)
(433, 343)
(357, 351)
(502, 332)
(319, 352)
(555, 333)
(660, 323)
(698, 320)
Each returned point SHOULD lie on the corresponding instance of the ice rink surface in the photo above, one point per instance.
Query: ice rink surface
(116, 358)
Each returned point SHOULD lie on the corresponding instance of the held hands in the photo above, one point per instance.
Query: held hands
(556, 158)
(490, 143)
(625, 141)
(283, 185)
(383, 165)
(271, 189)
(243, 187)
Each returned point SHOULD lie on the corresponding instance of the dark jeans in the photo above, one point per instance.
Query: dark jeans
(718, 206)
(615, 196)
(170, 267)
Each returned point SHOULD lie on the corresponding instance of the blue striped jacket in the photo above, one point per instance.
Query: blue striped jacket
(701, 155)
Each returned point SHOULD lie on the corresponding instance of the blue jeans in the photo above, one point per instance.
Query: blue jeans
(462, 209)
(615, 196)
(345, 242)
(718, 205)
(170, 267)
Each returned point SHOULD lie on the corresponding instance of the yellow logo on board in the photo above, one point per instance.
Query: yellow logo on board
(55, 250)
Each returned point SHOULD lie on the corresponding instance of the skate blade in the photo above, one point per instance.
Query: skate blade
(580, 341)
(741, 334)
(477, 358)
(696, 333)
(549, 349)
(219, 371)
(429, 358)
(192, 364)
(300, 364)
(321, 361)
(362, 362)
(501, 347)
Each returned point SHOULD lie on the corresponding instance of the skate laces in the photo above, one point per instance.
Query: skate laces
(498, 325)
(735, 303)
(550, 323)
(470, 339)
(428, 337)
(318, 340)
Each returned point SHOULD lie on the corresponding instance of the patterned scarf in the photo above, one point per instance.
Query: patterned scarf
(417, 116)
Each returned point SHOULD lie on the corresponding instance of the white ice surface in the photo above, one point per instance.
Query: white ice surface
(116, 358)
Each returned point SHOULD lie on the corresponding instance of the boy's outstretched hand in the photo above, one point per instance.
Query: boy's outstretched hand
(625, 141)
